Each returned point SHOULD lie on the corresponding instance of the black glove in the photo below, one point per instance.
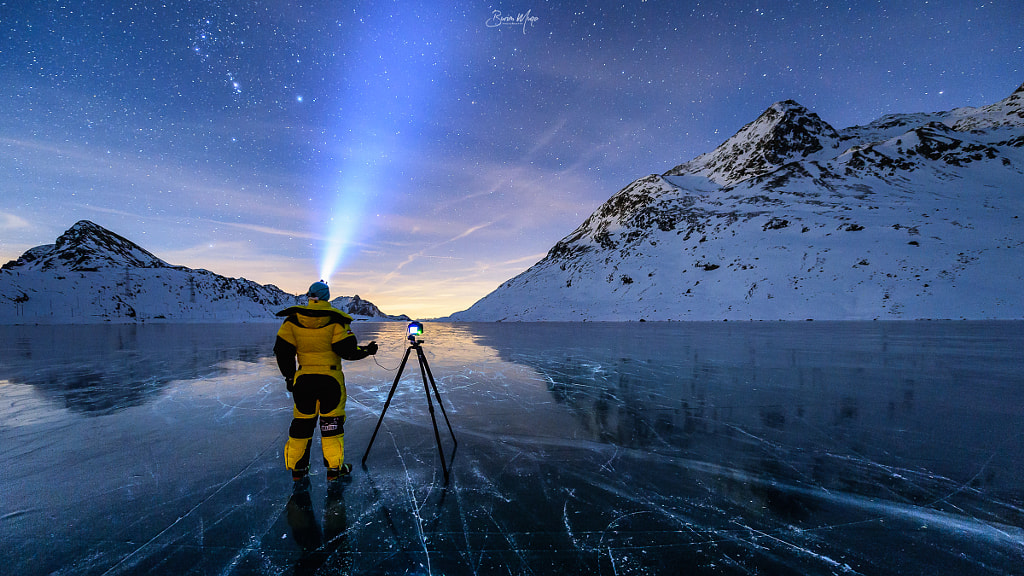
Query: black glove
(289, 383)
(371, 348)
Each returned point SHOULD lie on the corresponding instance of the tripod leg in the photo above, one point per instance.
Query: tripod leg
(430, 406)
(423, 361)
(391, 395)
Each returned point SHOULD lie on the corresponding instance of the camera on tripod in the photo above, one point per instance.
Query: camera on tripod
(413, 330)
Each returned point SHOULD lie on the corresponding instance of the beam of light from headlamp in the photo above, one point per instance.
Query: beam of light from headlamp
(346, 215)
(337, 241)
(386, 89)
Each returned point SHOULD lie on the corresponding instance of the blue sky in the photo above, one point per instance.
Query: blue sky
(419, 154)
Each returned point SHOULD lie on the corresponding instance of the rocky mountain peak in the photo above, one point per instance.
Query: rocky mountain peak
(87, 246)
(785, 132)
(116, 280)
(1007, 112)
(910, 216)
(79, 232)
(360, 307)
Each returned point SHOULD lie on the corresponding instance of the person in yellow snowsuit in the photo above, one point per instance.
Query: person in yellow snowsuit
(320, 336)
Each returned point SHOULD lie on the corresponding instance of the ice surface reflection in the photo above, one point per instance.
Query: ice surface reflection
(903, 390)
(721, 448)
(98, 369)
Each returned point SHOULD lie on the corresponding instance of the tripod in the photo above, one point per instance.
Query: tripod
(414, 344)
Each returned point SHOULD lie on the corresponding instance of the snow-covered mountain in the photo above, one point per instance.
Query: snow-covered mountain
(91, 274)
(911, 216)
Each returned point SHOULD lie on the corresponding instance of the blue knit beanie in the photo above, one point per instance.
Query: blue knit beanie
(319, 290)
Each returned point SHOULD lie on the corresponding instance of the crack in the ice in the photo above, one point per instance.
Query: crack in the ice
(512, 543)
(845, 568)
(410, 490)
(126, 558)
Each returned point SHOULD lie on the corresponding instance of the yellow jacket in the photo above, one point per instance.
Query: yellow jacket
(319, 336)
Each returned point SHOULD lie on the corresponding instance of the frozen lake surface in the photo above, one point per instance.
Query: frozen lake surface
(717, 448)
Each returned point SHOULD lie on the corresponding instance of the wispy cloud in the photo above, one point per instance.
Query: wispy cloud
(532, 258)
(269, 230)
(12, 222)
(412, 257)
(135, 180)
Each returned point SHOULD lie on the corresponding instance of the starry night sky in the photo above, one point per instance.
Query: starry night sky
(420, 153)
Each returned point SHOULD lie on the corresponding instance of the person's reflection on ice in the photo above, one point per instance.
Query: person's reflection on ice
(326, 552)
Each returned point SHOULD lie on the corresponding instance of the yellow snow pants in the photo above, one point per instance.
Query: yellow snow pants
(317, 396)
